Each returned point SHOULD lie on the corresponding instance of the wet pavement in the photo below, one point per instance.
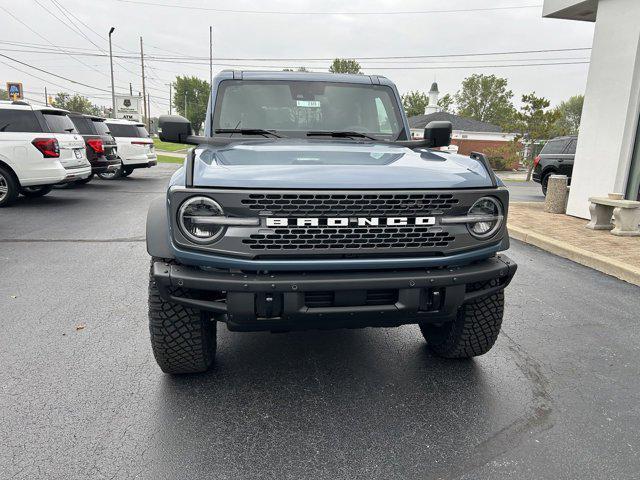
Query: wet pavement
(81, 396)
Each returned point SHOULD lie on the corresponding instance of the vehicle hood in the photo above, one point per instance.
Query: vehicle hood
(311, 164)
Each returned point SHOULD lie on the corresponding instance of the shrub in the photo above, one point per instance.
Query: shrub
(503, 157)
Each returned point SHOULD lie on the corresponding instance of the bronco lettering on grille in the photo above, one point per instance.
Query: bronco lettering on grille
(348, 221)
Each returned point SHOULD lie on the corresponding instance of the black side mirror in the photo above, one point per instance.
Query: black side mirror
(174, 128)
(437, 133)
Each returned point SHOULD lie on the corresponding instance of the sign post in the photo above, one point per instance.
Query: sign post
(128, 107)
(14, 90)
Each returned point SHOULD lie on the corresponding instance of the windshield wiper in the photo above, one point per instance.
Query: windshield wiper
(341, 134)
(248, 131)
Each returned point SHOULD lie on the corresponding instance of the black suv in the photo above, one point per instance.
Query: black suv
(100, 145)
(556, 158)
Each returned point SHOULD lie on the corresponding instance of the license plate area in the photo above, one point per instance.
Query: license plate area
(78, 153)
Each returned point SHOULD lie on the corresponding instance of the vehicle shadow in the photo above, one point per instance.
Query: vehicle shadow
(373, 403)
(51, 200)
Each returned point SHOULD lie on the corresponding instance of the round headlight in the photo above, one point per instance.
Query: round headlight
(194, 218)
(489, 213)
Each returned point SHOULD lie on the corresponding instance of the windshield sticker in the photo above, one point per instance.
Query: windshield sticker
(308, 103)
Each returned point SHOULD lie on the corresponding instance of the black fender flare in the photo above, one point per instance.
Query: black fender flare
(158, 235)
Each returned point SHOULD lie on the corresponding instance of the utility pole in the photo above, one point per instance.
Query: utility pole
(113, 88)
(144, 90)
(130, 89)
(210, 56)
(185, 104)
(46, 97)
(149, 110)
(170, 97)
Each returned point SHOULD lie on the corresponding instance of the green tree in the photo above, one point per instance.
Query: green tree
(534, 122)
(75, 103)
(193, 92)
(446, 103)
(485, 98)
(569, 115)
(414, 103)
(3, 94)
(344, 65)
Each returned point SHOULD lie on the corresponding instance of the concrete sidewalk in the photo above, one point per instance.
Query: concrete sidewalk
(568, 237)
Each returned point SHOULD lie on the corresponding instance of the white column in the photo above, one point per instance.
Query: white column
(611, 108)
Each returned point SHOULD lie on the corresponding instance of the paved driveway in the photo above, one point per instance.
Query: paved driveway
(81, 397)
(521, 191)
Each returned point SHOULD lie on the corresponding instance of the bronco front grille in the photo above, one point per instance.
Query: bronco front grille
(349, 238)
(378, 204)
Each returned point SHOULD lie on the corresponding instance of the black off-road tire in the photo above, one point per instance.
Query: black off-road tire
(114, 175)
(9, 182)
(183, 339)
(472, 333)
(544, 182)
(36, 191)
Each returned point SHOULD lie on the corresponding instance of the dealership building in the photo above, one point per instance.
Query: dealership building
(608, 151)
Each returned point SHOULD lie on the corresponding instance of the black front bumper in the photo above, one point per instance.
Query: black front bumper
(285, 301)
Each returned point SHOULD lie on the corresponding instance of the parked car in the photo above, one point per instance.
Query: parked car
(100, 145)
(319, 213)
(135, 147)
(556, 158)
(39, 148)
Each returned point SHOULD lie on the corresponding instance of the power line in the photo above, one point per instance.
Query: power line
(53, 74)
(288, 12)
(49, 82)
(74, 28)
(47, 40)
(324, 59)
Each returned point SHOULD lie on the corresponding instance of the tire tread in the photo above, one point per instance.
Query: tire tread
(183, 339)
(473, 332)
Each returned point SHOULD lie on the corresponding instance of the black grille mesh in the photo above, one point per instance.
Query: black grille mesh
(329, 204)
(349, 238)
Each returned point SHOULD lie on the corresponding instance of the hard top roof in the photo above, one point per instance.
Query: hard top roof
(303, 76)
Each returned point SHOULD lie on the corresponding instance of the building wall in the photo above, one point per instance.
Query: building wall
(611, 107)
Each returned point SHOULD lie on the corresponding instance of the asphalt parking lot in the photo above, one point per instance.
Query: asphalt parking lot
(520, 191)
(81, 396)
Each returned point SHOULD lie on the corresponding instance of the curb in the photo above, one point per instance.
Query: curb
(598, 262)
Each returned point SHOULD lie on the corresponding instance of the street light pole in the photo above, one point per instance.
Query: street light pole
(113, 89)
(144, 90)
(170, 98)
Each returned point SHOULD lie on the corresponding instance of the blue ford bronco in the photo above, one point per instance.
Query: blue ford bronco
(306, 205)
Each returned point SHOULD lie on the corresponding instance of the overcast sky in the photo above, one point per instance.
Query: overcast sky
(307, 35)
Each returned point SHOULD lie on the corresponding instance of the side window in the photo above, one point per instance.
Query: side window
(571, 148)
(383, 118)
(13, 120)
(553, 147)
(83, 125)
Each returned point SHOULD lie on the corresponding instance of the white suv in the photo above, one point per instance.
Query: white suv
(135, 147)
(39, 147)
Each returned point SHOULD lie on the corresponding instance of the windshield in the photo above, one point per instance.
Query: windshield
(296, 107)
(59, 123)
(124, 130)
